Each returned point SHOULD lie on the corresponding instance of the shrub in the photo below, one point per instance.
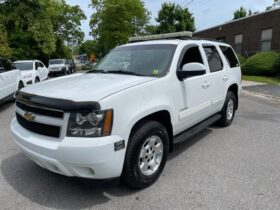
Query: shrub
(241, 59)
(277, 66)
(261, 64)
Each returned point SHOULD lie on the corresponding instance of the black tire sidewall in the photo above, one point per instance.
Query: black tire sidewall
(225, 121)
(20, 86)
(148, 129)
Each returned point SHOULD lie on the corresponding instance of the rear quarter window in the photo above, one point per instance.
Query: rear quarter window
(230, 56)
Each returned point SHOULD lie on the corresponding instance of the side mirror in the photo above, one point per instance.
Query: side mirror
(191, 70)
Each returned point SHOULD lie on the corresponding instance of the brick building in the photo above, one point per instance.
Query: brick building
(258, 32)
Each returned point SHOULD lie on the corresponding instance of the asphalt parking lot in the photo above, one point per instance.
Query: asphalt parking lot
(232, 168)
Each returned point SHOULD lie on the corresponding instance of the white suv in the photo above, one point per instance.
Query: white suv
(60, 66)
(9, 80)
(122, 118)
(32, 71)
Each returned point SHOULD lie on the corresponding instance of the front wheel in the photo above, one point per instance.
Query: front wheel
(20, 85)
(37, 80)
(228, 111)
(146, 154)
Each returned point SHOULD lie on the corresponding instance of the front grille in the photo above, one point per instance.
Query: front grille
(55, 69)
(39, 128)
(41, 111)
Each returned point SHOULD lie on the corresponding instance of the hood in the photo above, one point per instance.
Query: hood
(85, 87)
(26, 72)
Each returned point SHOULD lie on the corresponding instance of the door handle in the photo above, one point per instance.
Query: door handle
(206, 85)
(225, 78)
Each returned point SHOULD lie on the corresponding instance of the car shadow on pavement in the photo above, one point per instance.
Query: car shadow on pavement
(5, 106)
(56, 191)
(185, 145)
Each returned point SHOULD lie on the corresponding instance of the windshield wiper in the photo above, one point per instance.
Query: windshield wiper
(124, 72)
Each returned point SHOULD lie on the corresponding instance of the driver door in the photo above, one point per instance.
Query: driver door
(196, 90)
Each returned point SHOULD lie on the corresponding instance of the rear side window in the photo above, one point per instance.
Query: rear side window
(214, 59)
(230, 56)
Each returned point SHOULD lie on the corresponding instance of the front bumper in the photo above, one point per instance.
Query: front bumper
(56, 70)
(81, 157)
(27, 81)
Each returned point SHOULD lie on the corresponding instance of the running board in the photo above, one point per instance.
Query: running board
(196, 129)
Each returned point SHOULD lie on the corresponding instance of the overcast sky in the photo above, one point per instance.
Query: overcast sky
(207, 13)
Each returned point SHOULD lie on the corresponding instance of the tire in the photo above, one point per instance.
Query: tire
(20, 85)
(37, 80)
(228, 111)
(137, 172)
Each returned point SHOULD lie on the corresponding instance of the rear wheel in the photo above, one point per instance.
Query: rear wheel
(228, 111)
(146, 154)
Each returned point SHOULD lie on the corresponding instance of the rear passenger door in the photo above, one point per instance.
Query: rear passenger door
(218, 76)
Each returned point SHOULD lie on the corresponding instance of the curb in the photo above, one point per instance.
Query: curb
(261, 95)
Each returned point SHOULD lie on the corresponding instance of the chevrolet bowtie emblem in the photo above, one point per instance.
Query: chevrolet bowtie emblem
(29, 116)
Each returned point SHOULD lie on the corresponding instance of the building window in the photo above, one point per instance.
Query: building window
(266, 39)
(238, 40)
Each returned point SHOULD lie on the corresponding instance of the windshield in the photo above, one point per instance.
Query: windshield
(57, 61)
(143, 60)
(24, 66)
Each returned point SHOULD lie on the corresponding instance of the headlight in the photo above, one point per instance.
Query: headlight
(90, 124)
(27, 75)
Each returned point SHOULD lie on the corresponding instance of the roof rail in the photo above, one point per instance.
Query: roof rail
(177, 35)
(206, 39)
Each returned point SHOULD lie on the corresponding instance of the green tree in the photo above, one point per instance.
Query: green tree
(276, 4)
(173, 18)
(67, 23)
(88, 47)
(5, 50)
(240, 13)
(114, 21)
(40, 28)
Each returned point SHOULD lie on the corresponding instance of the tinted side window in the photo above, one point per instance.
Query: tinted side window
(214, 59)
(37, 65)
(192, 55)
(7, 65)
(230, 56)
(41, 65)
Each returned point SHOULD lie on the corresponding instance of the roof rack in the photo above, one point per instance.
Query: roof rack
(178, 35)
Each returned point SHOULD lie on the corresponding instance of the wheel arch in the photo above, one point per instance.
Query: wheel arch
(234, 88)
(163, 117)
